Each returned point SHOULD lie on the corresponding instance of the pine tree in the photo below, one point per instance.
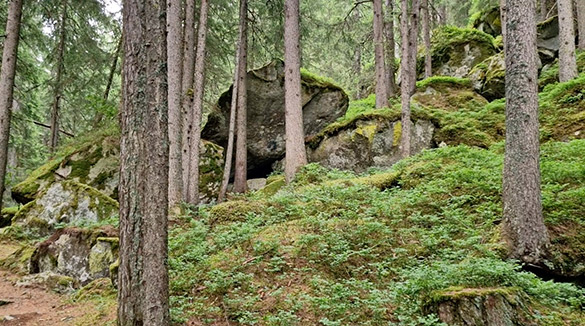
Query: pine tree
(426, 31)
(7, 73)
(567, 59)
(58, 84)
(390, 50)
(523, 225)
(580, 6)
(187, 92)
(240, 171)
(296, 155)
(143, 290)
(381, 89)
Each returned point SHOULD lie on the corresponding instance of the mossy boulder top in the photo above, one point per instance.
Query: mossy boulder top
(322, 101)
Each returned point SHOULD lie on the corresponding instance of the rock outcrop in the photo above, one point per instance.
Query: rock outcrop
(488, 77)
(322, 101)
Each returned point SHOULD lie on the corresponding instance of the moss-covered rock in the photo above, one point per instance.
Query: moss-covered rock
(455, 51)
(7, 215)
(550, 72)
(488, 77)
(19, 261)
(50, 281)
(323, 102)
(487, 21)
(210, 170)
(82, 254)
(562, 110)
(66, 202)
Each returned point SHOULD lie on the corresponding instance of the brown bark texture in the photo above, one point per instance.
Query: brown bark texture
(143, 290)
(405, 80)
(195, 120)
(390, 52)
(9, 57)
(241, 168)
(581, 23)
(523, 226)
(58, 85)
(175, 77)
(296, 154)
(187, 91)
(426, 30)
(380, 64)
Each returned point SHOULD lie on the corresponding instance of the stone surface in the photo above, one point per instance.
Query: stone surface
(488, 77)
(322, 102)
(256, 184)
(81, 254)
(482, 307)
(66, 202)
(547, 39)
(488, 21)
(50, 281)
(372, 143)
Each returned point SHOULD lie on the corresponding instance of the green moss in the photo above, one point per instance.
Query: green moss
(273, 185)
(19, 261)
(232, 211)
(550, 74)
(440, 83)
(310, 79)
(397, 134)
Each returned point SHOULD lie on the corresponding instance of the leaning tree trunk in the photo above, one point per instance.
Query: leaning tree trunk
(426, 30)
(144, 160)
(523, 226)
(187, 91)
(195, 120)
(9, 57)
(381, 90)
(296, 155)
(58, 85)
(405, 81)
(581, 23)
(390, 52)
(240, 171)
(175, 71)
(567, 59)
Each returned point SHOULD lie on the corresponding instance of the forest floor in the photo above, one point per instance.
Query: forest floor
(32, 306)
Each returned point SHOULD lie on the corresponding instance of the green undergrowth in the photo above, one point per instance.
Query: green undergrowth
(335, 248)
(550, 75)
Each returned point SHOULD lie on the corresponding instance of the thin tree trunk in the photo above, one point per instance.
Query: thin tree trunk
(198, 88)
(503, 20)
(58, 86)
(426, 30)
(413, 43)
(543, 9)
(8, 70)
(229, 152)
(405, 82)
(296, 154)
(381, 90)
(357, 58)
(187, 93)
(240, 173)
(175, 71)
(581, 23)
(144, 160)
(390, 55)
(523, 225)
(567, 59)
(443, 15)
(99, 115)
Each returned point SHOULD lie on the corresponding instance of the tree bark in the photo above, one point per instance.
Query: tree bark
(390, 50)
(296, 155)
(175, 71)
(195, 120)
(543, 10)
(426, 30)
(58, 86)
(144, 160)
(567, 59)
(357, 59)
(523, 226)
(581, 23)
(413, 42)
(7, 73)
(408, 71)
(241, 168)
(187, 93)
(381, 90)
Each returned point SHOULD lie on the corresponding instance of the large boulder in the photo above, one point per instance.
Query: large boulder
(82, 254)
(488, 77)
(322, 103)
(65, 202)
(455, 51)
(547, 40)
(488, 21)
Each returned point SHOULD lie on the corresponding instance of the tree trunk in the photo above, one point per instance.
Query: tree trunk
(357, 59)
(443, 15)
(296, 155)
(426, 30)
(581, 23)
(523, 225)
(390, 54)
(144, 160)
(241, 168)
(503, 19)
(58, 86)
(99, 115)
(229, 152)
(187, 93)
(543, 10)
(8, 70)
(412, 43)
(381, 90)
(195, 120)
(405, 80)
(567, 59)
(175, 77)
